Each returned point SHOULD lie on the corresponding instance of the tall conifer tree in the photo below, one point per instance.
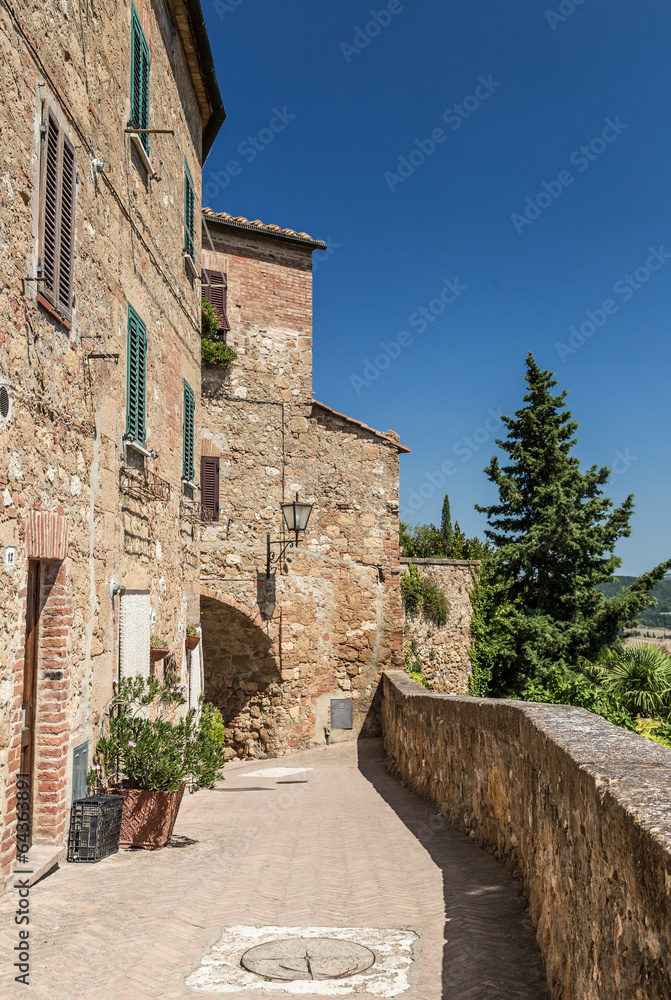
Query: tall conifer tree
(555, 535)
(446, 529)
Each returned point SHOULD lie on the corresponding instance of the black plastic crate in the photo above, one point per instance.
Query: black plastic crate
(95, 825)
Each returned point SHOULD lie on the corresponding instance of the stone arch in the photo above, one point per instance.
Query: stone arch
(242, 675)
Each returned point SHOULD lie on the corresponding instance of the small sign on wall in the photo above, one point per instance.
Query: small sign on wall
(10, 558)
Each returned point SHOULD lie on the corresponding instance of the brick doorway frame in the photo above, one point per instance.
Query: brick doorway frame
(46, 541)
(29, 693)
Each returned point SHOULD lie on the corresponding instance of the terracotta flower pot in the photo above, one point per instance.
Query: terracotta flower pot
(148, 818)
(192, 641)
(157, 654)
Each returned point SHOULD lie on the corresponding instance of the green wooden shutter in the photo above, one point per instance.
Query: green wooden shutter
(188, 470)
(139, 88)
(136, 378)
(189, 213)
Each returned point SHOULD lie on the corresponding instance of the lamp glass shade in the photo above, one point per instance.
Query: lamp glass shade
(296, 515)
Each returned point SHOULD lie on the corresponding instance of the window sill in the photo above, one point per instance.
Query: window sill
(187, 482)
(190, 265)
(54, 312)
(136, 446)
(136, 139)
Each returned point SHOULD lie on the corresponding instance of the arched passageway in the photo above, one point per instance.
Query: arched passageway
(242, 677)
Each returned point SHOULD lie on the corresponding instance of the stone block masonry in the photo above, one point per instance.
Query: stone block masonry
(575, 806)
(444, 651)
(329, 619)
(66, 442)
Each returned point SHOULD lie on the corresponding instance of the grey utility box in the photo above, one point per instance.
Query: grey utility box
(342, 713)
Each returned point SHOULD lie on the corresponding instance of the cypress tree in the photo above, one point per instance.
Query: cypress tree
(446, 527)
(555, 535)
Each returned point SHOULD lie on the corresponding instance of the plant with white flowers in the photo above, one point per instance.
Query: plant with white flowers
(146, 745)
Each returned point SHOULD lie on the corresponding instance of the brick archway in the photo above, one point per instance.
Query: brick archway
(242, 675)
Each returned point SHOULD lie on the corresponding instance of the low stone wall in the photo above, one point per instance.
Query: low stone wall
(578, 808)
(444, 651)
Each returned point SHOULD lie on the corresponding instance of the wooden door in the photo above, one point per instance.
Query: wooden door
(29, 706)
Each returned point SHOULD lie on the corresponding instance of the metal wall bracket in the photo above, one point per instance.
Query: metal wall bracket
(270, 558)
(104, 357)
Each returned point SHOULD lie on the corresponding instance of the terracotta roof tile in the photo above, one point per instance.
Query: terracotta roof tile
(272, 230)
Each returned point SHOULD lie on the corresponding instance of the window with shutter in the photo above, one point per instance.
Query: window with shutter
(139, 73)
(189, 216)
(215, 289)
(209, 484)
(136, 378)
(58, 196)
(188, 470)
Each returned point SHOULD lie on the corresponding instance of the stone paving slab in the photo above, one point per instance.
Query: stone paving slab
(341, 844)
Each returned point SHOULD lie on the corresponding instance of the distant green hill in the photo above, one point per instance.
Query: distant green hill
(652, 617)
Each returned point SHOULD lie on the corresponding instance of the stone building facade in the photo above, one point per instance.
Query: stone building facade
(444, 650)
(327, 620)
(99, 338)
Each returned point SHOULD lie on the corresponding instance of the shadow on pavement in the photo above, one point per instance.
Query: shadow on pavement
(490, 951)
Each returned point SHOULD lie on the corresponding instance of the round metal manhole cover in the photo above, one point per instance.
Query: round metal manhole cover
(308, 958)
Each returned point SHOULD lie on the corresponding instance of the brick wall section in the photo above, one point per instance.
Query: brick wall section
(270, 311)
(577, 807)
(53, 688)
(444, 651)
(46, 534)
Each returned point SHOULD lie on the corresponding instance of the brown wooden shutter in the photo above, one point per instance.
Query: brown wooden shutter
(67, 230)
(49, 205)
(215, 288)
(58, 196)
(209, 484)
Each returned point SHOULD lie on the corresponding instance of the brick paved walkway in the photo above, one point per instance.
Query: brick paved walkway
(340, 845)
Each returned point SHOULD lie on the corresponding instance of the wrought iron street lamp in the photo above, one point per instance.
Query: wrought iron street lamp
(296, 517)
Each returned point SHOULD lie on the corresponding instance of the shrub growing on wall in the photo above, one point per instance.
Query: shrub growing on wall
(411, 589)
(434, 603)
(423, 594)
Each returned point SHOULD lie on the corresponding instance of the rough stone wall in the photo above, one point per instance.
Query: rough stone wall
(329, 617)
(443, 651)
(576, 806)
(62, 444)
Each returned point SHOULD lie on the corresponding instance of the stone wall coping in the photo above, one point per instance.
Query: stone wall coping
(634, 771)
(401, 448)
(440, 562)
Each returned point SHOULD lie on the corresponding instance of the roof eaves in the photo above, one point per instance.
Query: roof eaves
(305, 241)
(359, 423)
(205, 63)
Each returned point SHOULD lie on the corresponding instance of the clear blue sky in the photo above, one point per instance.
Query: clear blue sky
(532, 89)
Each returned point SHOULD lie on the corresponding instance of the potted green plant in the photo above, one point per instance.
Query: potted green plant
(192, 636)
(158, 649)
(149, 749)
(213, 350)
